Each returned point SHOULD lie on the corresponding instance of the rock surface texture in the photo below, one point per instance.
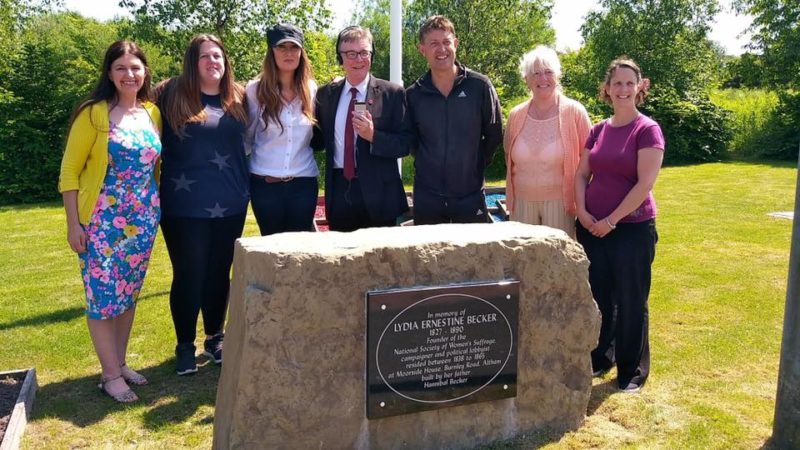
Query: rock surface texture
(295, 345)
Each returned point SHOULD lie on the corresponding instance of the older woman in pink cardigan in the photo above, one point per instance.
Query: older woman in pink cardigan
(543, 141)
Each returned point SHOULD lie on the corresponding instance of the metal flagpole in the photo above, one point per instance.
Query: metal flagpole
(396, 42)
(786, 429)
(396, 51)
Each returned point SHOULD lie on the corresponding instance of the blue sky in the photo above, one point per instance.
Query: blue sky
(567, 19)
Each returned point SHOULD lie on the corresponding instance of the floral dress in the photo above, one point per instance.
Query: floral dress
(124, 222)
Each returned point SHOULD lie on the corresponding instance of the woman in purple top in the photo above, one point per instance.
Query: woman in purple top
(616, 222)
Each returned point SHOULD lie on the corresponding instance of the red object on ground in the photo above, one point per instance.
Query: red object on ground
(320, 222)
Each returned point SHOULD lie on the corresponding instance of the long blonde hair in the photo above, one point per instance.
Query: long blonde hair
(182, 103)
(268, 90)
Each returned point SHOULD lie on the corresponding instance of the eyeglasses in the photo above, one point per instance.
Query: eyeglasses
(352, 54)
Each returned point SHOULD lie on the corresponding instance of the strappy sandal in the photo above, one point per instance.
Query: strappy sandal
(132, 376)
(127, 396)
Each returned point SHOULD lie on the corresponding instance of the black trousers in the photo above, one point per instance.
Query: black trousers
(347, 211)
(431, 208)
(284, 206)
(201, 252)
(619, 274)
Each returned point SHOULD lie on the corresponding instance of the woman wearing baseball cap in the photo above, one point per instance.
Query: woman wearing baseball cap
(283, 172)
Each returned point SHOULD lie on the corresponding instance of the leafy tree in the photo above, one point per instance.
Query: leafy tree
(493, 35)
(14, 14)
(319, 47)
(669, 40)
(57, 64)
(375, 15)
(746, 70)
(241, 24)
(776, 33)
(8, 39)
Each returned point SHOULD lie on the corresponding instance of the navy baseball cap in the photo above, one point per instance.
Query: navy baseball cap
(284, 32)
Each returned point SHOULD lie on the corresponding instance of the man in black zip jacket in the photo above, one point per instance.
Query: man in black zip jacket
(458, 126)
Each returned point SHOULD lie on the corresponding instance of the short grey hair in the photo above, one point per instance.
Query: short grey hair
(546, 56)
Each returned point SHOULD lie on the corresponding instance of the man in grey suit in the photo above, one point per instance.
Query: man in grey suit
(363, 128)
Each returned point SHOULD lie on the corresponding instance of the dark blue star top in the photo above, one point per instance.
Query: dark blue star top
(205, 174)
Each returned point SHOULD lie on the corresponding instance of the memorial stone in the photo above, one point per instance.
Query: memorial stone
(297, 356)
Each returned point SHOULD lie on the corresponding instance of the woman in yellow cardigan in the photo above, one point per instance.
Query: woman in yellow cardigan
(108, 181)
(543, 142)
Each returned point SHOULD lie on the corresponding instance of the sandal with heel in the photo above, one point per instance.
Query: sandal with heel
(127, 396)
(132, 376)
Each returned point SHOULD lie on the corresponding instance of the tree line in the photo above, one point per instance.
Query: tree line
(51, 59)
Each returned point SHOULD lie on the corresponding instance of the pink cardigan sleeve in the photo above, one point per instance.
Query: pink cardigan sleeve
(576, 124)
(515, 119)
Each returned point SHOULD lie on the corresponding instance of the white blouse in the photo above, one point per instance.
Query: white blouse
(276, 152)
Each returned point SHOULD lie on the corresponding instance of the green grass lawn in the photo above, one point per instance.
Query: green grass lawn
(716, 312)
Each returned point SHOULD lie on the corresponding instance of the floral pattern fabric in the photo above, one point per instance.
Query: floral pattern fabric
(123, 225)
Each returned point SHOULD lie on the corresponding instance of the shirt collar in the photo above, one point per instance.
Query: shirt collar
(361, 87)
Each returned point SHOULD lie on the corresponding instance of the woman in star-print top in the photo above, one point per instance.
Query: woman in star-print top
(204, 192)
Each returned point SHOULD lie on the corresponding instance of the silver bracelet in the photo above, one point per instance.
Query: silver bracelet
(610, 225)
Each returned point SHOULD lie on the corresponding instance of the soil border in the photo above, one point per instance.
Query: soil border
(22, 409)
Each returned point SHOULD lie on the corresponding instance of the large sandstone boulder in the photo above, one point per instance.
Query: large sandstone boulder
(295, 345)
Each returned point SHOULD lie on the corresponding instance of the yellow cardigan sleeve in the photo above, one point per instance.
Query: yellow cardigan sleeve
(155, 116)
(82, 135)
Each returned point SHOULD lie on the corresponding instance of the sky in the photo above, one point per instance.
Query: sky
(567, 19)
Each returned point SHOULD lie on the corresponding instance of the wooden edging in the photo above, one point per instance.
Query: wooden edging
(22, 409)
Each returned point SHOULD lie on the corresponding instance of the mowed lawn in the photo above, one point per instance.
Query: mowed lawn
(716, 313)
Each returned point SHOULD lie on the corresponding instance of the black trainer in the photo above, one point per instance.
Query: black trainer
(213, 347)
(185, 359)
(631, 388)
(600, 372)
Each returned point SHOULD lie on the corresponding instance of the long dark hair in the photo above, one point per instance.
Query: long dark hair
(268, 90)
(105, 90)
(182, 103)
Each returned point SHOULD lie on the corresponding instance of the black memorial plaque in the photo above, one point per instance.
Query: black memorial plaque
(437, 347)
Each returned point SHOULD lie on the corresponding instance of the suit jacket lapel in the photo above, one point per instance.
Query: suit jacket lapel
(373, 96)
(373, 100)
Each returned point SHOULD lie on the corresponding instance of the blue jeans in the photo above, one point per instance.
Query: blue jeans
(284, 206)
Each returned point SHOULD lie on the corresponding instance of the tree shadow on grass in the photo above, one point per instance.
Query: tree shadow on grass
(165, 400)
(62, 315)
